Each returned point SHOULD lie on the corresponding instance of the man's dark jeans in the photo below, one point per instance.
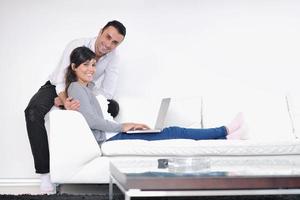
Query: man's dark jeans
(38, 107)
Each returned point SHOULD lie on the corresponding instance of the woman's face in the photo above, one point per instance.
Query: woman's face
(85, 71)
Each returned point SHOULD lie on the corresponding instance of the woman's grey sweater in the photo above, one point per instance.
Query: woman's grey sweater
(91, 110)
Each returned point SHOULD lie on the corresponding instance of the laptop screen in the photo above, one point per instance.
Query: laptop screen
(162, 113)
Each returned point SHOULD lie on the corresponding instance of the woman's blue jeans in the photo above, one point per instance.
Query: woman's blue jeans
(175, 132)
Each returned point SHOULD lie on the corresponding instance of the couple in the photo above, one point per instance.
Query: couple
(53, 92)
(74, 89)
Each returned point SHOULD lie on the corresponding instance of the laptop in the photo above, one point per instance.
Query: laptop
(162, 113)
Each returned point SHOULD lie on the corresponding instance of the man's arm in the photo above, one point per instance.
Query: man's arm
(111, 74)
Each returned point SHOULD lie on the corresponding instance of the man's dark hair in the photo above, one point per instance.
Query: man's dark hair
(117, 25)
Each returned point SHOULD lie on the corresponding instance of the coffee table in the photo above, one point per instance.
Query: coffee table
(223, 176)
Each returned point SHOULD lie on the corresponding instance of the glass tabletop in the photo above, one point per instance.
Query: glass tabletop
(207, 173)
(210, 166)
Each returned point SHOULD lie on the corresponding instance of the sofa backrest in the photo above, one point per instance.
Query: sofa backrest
(183, 112)
(266, 114)
(67, 129)
(139, 109)
(293, 100)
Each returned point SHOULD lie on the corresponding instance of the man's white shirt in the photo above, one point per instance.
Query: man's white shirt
(107, 71)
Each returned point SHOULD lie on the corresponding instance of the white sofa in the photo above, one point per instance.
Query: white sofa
(75, 156)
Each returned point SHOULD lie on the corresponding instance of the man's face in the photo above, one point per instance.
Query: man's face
(107, 41)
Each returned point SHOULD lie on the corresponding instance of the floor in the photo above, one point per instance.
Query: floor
(86, 189)
(100, 192)
(91, 189)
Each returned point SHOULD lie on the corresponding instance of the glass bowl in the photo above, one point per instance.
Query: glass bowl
(188, 165)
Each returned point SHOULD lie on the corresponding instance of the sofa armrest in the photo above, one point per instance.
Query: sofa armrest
(71, 144)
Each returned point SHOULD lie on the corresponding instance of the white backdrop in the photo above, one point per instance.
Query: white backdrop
(177, 48)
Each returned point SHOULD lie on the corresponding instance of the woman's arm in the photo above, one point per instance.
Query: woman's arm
(91, 112)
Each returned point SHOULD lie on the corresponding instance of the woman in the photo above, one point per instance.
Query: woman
(79, 77)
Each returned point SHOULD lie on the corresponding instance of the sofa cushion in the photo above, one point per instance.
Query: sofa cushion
(185, 147)
(266, 114)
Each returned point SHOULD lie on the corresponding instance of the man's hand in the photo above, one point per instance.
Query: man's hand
(58, 102)
(71, 104)
(133, 126)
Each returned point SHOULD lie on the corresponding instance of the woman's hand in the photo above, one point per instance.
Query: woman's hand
(134, 126)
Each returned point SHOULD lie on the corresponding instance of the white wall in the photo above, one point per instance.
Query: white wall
(177, 48)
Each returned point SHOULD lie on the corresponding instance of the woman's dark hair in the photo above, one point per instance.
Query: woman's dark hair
(78, 56)
(117, 25)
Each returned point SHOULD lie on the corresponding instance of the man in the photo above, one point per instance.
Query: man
(53, 92)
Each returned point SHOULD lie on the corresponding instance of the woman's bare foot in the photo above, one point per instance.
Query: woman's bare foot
(240, 134)
(235, 124)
